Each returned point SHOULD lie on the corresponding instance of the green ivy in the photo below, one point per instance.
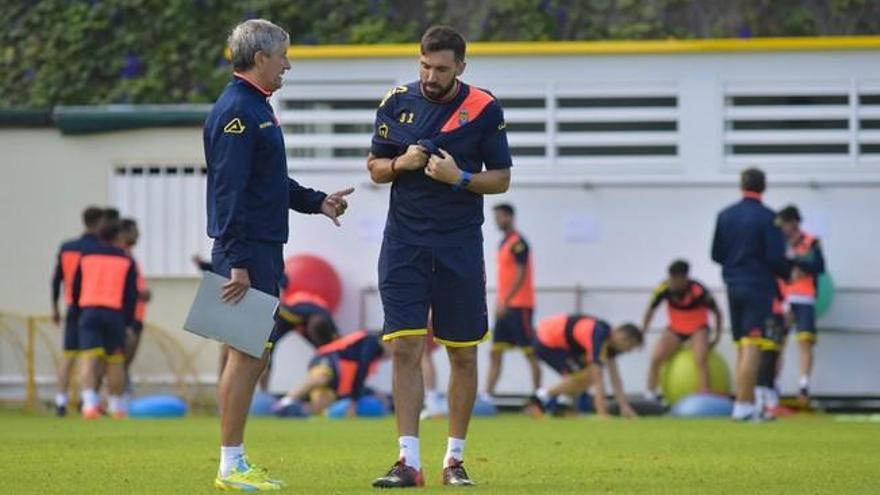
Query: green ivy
(76, 52)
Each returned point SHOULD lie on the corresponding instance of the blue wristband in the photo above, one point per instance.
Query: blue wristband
(463, 181)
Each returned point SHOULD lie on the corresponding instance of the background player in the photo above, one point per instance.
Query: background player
(105, 290)
(432, 140)
(515, 304)
(580, 347)
(801, 289)
(688, 303)
(339, 370)
(129, 235)
(751, 251)
(66, 263)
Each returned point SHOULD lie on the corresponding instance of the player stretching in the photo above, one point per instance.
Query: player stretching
(432, 139)
(338, 370)
(580, 348)
(688, 303)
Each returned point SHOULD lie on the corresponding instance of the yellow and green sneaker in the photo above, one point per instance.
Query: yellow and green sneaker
(246, 477)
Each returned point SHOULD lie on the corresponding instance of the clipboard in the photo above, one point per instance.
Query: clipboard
(246, 326)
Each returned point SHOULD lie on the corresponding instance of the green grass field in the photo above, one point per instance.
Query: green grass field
(511, 454)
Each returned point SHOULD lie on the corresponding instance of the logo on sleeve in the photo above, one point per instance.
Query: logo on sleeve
(463, 117)
(382, 130)
(519, 247)
(502, 125)
(234, 127)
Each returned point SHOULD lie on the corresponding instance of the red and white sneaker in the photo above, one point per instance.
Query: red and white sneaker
(455, 475)
(401, 476)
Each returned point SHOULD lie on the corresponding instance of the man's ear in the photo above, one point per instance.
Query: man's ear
(459, 70)
(260, 58)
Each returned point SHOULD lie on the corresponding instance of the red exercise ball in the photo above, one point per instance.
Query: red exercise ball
(306, 272)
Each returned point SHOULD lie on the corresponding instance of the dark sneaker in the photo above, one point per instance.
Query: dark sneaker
(804, 397)
(534, 407)
(61, 411)
(455, 475)
(401, 476)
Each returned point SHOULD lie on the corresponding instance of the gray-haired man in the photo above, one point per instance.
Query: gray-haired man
(248, 197)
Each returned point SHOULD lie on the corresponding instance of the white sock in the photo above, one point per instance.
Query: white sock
(61, 400)
(804, 382)
(742, 410)
(115, 404)
(772, 398)
(409, 451)
(89, 399)
(542, 394)
(454, 450)
(651, 395)
(760, 397)
(229, 457)
(286, 401)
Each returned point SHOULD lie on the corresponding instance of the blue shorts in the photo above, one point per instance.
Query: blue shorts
(451, 281)
(751, 309)
(71, 330)
(265, 268)
(562, 361)
(514, 329)
(804, 321)
(102, 333)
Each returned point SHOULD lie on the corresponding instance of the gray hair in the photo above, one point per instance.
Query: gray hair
(252, 36)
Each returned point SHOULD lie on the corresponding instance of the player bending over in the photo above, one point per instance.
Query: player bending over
(580, 348)
(338, 370)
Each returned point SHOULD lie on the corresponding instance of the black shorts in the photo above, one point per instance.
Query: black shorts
(804, 321)
(751, 308)
(451, 281)
(562, 361)
(102, 333)
(71, 331)
(685, 336)
(514, 329)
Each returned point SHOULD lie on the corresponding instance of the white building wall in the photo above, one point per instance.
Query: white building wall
(610, 227)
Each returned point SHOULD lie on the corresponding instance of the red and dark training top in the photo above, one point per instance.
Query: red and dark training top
(106, 278)
(513, 253)
(688, 310)
(65, 267)
(357, 355)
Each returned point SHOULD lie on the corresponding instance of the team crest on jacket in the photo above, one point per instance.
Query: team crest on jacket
(234, 127)
(382, 130)
(463, 117)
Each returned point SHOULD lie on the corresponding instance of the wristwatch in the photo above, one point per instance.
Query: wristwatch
(463, 180)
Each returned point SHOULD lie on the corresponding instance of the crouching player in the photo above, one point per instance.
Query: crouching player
(105, 290)
(688, 303)
(580, 348)
(339, 370)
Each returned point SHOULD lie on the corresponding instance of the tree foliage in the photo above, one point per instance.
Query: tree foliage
(171, 51)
